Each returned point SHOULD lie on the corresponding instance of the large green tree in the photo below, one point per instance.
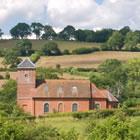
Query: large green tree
(49, 33)
(125, 30)
(67, 33)
(21, 30)
(36, 28)
(131, 41)
(116, 41)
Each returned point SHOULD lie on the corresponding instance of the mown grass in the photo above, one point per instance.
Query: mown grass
(37, 44)
(92, 60)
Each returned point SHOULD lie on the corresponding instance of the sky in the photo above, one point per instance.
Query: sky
(89, 14)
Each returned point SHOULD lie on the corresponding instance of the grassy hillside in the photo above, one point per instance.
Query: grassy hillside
(37, 44)
(85, 61)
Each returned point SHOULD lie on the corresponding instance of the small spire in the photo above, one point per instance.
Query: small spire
(26, 64)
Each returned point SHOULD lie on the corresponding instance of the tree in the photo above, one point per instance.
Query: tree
(80, 35)
(11, 58)
(131, 41)
(116, 41)
(24, 47)
(36, 29)
(102, 35)
(67, 33)
(49, 33)
(112, 75)
(1, 33)
(51, 48)
(125, 30)
(21, 30)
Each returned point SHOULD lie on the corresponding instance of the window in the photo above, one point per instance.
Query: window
(46, 107)
(60, 107)
(74, 91)
(60, 91)
(74, 107)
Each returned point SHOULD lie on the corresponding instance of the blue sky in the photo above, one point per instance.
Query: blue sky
(89, 14)
(99, 1)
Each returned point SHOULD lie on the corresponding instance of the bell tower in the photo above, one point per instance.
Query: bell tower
(26, 78)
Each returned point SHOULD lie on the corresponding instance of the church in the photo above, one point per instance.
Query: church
(58, 95)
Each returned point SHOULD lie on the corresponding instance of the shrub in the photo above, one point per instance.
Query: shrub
(117, 127)
(103, 113)
(1, 77)
(51, 48)
(7, 75)
(66, 52)
(70, 135)
(34, 57)
(81, 115)
(84, 50)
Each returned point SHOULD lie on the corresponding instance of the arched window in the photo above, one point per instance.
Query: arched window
(60, 107)
(74, 107)
(46, 107)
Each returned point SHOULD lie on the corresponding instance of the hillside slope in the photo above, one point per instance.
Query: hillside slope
(37, 44)
(87, 60)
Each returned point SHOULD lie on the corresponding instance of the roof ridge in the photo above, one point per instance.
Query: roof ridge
(26, 63)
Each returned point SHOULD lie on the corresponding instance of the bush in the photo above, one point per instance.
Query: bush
(1, 77)
(51, 48)
(81, 115)
(7, 75)
(34, 57)
(117, 127)
(66, 52)
(84, 50)
(103, 113)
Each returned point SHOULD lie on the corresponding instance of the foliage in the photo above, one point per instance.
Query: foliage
(35, 56)
(49, 33)
(116, 41)
(24, 47)
(51, 48)
(44, 73)
(36, 28)
(8, 100)
(11, 58)
(131, 41)
(21, 30)
(67, 33)
(84, 50)
(66, 52)
(1, 33)
(116, 127)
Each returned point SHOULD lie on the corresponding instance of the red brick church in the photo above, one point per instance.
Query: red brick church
(58, 95)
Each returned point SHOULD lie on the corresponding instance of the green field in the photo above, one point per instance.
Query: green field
(37, 44)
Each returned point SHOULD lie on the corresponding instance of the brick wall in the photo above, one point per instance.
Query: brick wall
(83, 105)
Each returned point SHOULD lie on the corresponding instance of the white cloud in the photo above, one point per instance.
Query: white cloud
(79, 13)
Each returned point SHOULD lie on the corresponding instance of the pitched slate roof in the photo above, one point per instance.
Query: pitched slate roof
(102, 93)
(26, 64)
(64, 89)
